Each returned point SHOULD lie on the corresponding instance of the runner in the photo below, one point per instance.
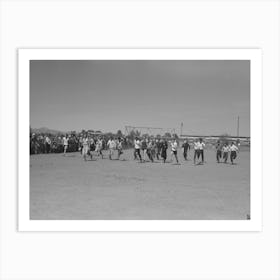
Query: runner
(233, 152)
(201, 146)
(65, 144)
(91, 147)
(218, 151)
(225, 151)
(186, 147)
(144, 149)
(174, 147)
(149, 150)
(153, 149)
(196, 151)
(111, 145)
(119, 147)
(158, 148)
(85, 150)
(164, 147)
(99, 146)
(137, 147)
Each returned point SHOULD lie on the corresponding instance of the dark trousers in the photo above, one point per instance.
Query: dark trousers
(202, 155)
(185, 154)
(233, 156)
(218, 155)
(225, 156)
(137, 152)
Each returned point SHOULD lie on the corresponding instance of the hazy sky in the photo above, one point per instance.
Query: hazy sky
(207, 96)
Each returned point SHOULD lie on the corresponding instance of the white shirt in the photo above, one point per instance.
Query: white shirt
(111, 144)
(200, 145)
(195, 146)
(225, 149)
(137, 144)
(233, 148)
(65, 141)
(174, 146)
(48, 140)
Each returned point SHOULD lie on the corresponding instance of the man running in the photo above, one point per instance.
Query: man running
(196, 151)
(85, 150)
(233, 152)
(91, 147)
(158, 148)
(111, 145)
(144, 149)
(98, 147)
(225, 151)
(119, 147)
(65, 144)
(174, 147)
(137, 147)
(164, 147)
(218, 151)
(201, 146)
(186, 147)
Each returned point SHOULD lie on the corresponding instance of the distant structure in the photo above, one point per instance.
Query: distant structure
(149, 130)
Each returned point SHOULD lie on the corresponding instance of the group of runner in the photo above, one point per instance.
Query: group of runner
(154, 148)
(90, 146)
(151, 149)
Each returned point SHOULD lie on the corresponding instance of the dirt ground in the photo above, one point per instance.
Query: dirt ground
(67, 188)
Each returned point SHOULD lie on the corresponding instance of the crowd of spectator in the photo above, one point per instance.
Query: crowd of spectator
(44, 143)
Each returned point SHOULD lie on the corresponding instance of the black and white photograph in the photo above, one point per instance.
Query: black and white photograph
(139, 140)
(135, 139)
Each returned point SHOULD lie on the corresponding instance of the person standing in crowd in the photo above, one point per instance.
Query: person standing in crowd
(174, 148)
(164, 147)
(111, 145)
(137, 148)
(85, 150)
(48, 144)
(225, 151)
(119, 147)
(218, 151)
(65, 141)
(186, 147)
(233, 152)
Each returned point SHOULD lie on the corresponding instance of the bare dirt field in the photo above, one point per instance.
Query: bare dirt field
(67, 188)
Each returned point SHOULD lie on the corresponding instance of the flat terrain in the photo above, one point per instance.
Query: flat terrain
(67, 188)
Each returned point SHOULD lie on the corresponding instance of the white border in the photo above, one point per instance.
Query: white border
(254, 55)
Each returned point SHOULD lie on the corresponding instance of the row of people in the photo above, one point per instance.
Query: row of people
(89, 146)
(152, 149)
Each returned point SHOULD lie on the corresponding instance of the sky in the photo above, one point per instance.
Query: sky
(207, 96)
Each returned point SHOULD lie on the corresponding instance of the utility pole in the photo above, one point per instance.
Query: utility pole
(238, 126)
(181, 129)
